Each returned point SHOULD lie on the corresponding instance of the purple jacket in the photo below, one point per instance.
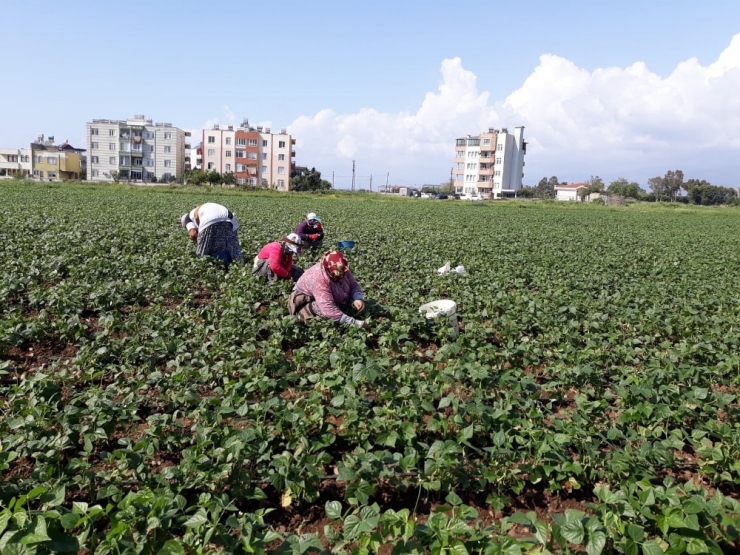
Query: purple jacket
(304, 230)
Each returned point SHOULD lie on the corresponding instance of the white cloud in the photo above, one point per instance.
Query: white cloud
(612, 121)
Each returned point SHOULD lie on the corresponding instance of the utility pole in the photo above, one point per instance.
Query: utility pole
(451, 181)
(332, 179)
(353, 175)
(387, 175)
(371, 183)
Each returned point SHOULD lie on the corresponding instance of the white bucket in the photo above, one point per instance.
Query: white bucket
(443, 308)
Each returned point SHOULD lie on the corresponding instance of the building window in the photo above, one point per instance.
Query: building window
(93, 131)
(241, 153)
(281, 182)
(460, 154)
(125, 161)
(498, 160)
(41, 173)
(264, 169)
(111, 146)
(149, 176)
(228, 167)
(149, 162)
(500, 147)
(252, 142)
(168, 163)
(281, 170)
(112, 132)
(39, 159)
(228, 154)
(167, 149)
(51, 161)
(264, 142)
(137, 161)
(211, 165)
(94, 159)
(93, 145)
(211, 139)
(281, 144)
(486, 141)
(264, 156)
(241, 168)
(149, 135)
(241, 142)
(168, 135)
(94, 173)
(112, 160)
(281, 157)
(251, 155)
(211, 152)
(240, 181)
(228, 140)
(51, 174)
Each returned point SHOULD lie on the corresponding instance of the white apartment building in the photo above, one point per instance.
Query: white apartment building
(138, 149)
(490, 164)
(15, 161)
(277, 158)
(255, 155)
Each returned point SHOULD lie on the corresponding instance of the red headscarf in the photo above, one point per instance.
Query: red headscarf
(335, 265)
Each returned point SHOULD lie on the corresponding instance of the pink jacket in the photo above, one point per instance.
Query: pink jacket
(279, 263)
(329, 295)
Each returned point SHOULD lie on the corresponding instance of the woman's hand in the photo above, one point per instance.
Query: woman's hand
(359, 305)
(193, 235)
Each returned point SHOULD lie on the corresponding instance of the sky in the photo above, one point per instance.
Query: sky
(627, 89)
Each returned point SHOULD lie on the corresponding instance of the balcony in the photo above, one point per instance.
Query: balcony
(459, 159)
(486, 171)
(136, 152)
(292, 153)
(187, 146)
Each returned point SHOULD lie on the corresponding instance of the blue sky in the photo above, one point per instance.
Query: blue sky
(628, 89)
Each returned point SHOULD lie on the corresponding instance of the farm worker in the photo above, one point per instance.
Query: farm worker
(311, 230)
(213, 228)
(275, 260)
(327, 290)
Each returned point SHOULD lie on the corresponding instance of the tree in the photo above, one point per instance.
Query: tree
(595, 184)
(623, 188)
(309, 180)
(707, 194)
(526, 192)
(657, 187)
(673, 182)
(196, 177)
(214, 178)
(116, 175)
(229, 178)
(546, 187)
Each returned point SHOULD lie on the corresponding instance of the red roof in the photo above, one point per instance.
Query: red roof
(572, 186)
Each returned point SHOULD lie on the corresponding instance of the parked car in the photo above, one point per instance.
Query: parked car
(441, 196)
(471, 196)
(456, 197)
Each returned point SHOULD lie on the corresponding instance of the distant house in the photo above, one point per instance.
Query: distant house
(570, 191)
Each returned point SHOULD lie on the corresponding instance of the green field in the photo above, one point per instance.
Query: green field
(151, 402)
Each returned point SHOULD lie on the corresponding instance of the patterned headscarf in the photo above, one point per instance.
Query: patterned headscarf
(335, 264)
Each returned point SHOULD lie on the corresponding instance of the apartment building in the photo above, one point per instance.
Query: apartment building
(15, 161)
(490, 164)
(53, 162)
(136, 150)
(255, 155)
